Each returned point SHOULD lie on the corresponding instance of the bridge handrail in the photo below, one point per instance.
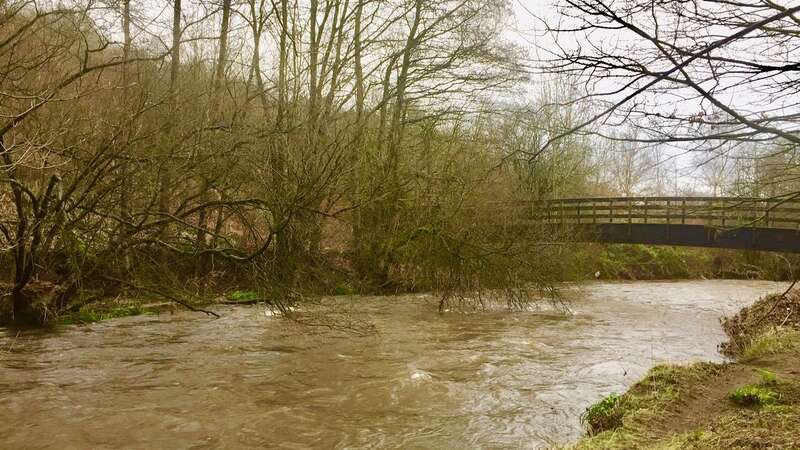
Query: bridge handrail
(679, 198)
(773, 212)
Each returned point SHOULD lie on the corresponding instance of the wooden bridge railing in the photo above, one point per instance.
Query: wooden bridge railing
(725, 212)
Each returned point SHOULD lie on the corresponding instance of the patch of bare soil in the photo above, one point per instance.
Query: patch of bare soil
(710, 399)
(709, 408)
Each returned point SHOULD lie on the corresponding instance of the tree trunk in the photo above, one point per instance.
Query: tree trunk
(381, 217)
(165, 183)
(215, 113)
(124, 195)
(20, 304)
(283, 239)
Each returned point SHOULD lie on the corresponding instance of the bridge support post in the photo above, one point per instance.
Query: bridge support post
(630, 215)
(668, 213)
(683, 212)
(548, 207)
(611, 211)
(753, 224)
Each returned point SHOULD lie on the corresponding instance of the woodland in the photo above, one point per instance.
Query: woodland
(179, 150)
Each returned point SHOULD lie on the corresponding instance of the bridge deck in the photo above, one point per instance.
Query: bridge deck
(721, 222)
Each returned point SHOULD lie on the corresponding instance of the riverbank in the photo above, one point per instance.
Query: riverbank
(647, 262)
(331, 275)
(751, 403)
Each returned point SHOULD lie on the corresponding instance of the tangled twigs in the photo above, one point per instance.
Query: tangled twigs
(778, 302)
(163, 294)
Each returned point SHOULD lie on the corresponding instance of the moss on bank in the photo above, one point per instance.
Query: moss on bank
(646, 262)
(99, 313)
(753, 403)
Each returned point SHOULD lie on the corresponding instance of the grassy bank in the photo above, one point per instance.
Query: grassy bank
(645, 262)
(331, 274)
(752, 403)
(649, 262)
(106, 311)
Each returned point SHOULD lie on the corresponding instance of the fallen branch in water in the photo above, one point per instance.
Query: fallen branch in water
(349, 326)
(251, 301)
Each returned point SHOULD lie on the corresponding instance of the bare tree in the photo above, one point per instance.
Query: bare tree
(694, 74)
(246, 140)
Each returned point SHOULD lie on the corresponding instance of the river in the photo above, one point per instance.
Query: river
(422, 380)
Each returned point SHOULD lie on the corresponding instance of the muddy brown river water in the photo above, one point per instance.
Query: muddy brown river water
(424, 380)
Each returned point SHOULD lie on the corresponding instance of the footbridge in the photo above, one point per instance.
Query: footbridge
(720, 222)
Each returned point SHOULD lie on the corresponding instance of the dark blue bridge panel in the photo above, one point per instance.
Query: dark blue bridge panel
(764, 239)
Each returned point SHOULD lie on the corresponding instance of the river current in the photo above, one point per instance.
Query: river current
(421, 380)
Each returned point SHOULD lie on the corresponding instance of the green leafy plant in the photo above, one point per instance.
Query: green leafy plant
(767, 377)
(603, 415)
(343, 289)
(753, 395)
(243, 296)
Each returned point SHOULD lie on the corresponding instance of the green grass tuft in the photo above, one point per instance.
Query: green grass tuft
(773, 341)
(753, 395)
(243, 296)
(645, 406)
(85, 316)
(343, 289)
(768, 378)
(603, 415)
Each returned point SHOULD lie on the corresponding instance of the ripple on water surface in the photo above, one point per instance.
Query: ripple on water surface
(248, 380)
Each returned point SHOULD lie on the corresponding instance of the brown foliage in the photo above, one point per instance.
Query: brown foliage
(781, 310)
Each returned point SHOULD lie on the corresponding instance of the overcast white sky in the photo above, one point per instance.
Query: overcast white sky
(529, 31)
